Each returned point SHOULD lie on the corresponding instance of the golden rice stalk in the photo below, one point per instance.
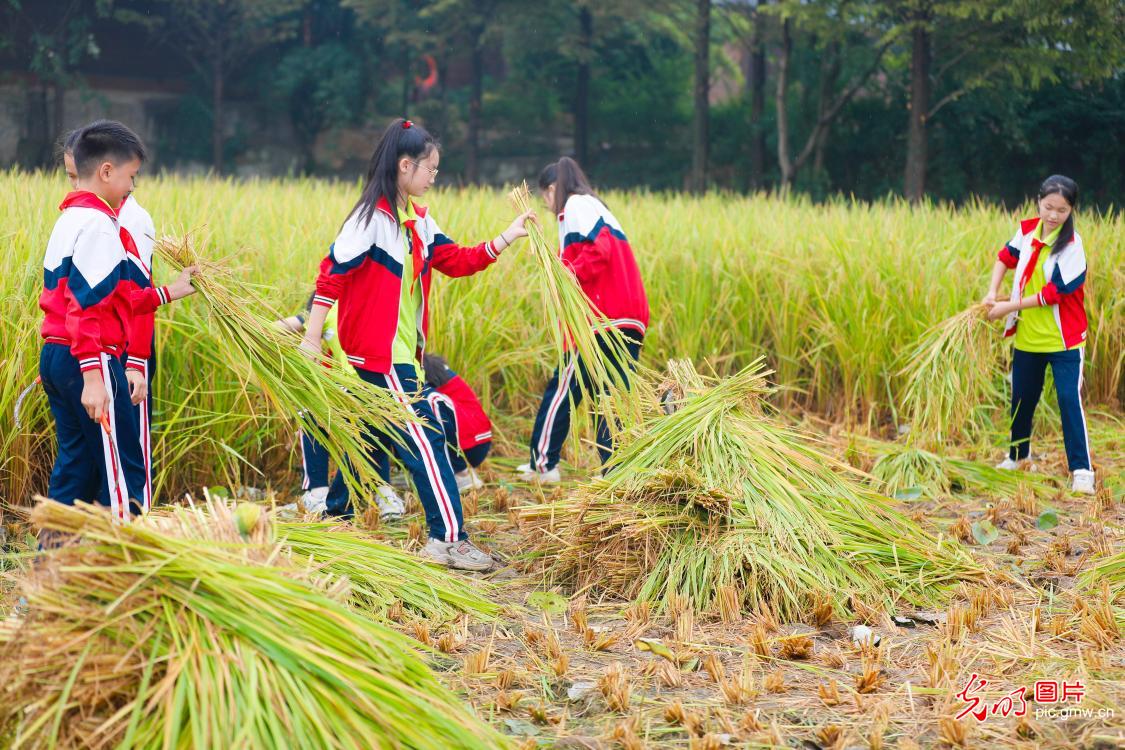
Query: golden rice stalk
(576, 327)
(330, 403)
(174, 631)
(952, 379)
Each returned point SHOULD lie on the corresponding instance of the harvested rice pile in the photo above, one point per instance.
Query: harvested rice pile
(723, 503)
(180, 631)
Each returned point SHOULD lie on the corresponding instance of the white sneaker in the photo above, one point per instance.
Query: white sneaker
(527, 474)
(542, 477)
(391, 505)
(1008, 464)
(1082, 481)
(460, 555)
(315, 500)
(468, 480)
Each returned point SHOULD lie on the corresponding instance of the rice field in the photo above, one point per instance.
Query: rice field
(665, 606)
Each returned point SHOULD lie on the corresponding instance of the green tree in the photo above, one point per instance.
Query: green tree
(958, 46)
(701, 92)
(834, 30)
(218, 37)
(320, 80)
(49, 39)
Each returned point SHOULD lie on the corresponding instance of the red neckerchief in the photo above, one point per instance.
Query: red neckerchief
(1029, 269)
(86, 199)
(416, 247)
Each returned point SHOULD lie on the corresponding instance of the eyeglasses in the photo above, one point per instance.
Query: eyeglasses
(432, 170)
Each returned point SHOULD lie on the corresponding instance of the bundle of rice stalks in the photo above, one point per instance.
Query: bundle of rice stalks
(721, 495)
(181, 631)
(380, 575)
(577, 327)
(953, 377)
(907, 469)
(1111, 570)
(329, 403)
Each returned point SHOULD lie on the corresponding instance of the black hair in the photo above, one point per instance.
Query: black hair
(568, 179)
(1058, 184)
(401, 138)
(103, 140)
(436, 370)
(65, 145)
(309, 301)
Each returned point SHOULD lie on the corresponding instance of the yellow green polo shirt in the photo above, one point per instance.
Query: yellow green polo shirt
(1038, 332)
(332, 341)
(404, 349)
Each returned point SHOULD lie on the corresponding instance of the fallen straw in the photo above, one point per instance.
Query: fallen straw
(329, 403)
(180, 631)
(380, 575)
(578, 327)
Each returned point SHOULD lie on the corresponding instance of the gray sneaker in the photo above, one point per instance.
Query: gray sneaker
(460, 555)
(391, 505)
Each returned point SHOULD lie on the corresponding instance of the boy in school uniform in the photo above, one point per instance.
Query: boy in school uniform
(88, 306)
(138, 236)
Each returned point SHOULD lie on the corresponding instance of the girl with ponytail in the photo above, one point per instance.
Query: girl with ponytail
(593, 246)
(1047, 317)
(379, 271)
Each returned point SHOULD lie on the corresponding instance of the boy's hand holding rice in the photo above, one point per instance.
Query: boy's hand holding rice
(182, 286)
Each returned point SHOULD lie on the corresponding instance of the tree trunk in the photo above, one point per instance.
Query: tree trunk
(756, 80)
(829, 75)
(788, 172)
(702, 92)
(914, 182)
(217, 113)
(35, 150)
(472, 163)
(582, 86)
(58, 108)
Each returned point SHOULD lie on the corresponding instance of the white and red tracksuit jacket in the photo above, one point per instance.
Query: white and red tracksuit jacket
(1065, 272)
(473, 425)
(363, 271)
(137, 224)
(88, 298)
(593, 246)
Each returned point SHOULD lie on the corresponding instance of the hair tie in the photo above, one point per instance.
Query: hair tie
(407, 124)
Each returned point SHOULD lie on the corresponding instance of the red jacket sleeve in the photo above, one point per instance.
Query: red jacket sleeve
(453, 260)
(355, 241)
(330, 282)
(1009, 256)
(141, 330)
(83, 327)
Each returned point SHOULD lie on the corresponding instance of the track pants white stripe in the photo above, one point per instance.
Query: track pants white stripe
(114, 471)
(1081, 408)
(146, 445)
(305, 479)
(433, 473)
(561, 393)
